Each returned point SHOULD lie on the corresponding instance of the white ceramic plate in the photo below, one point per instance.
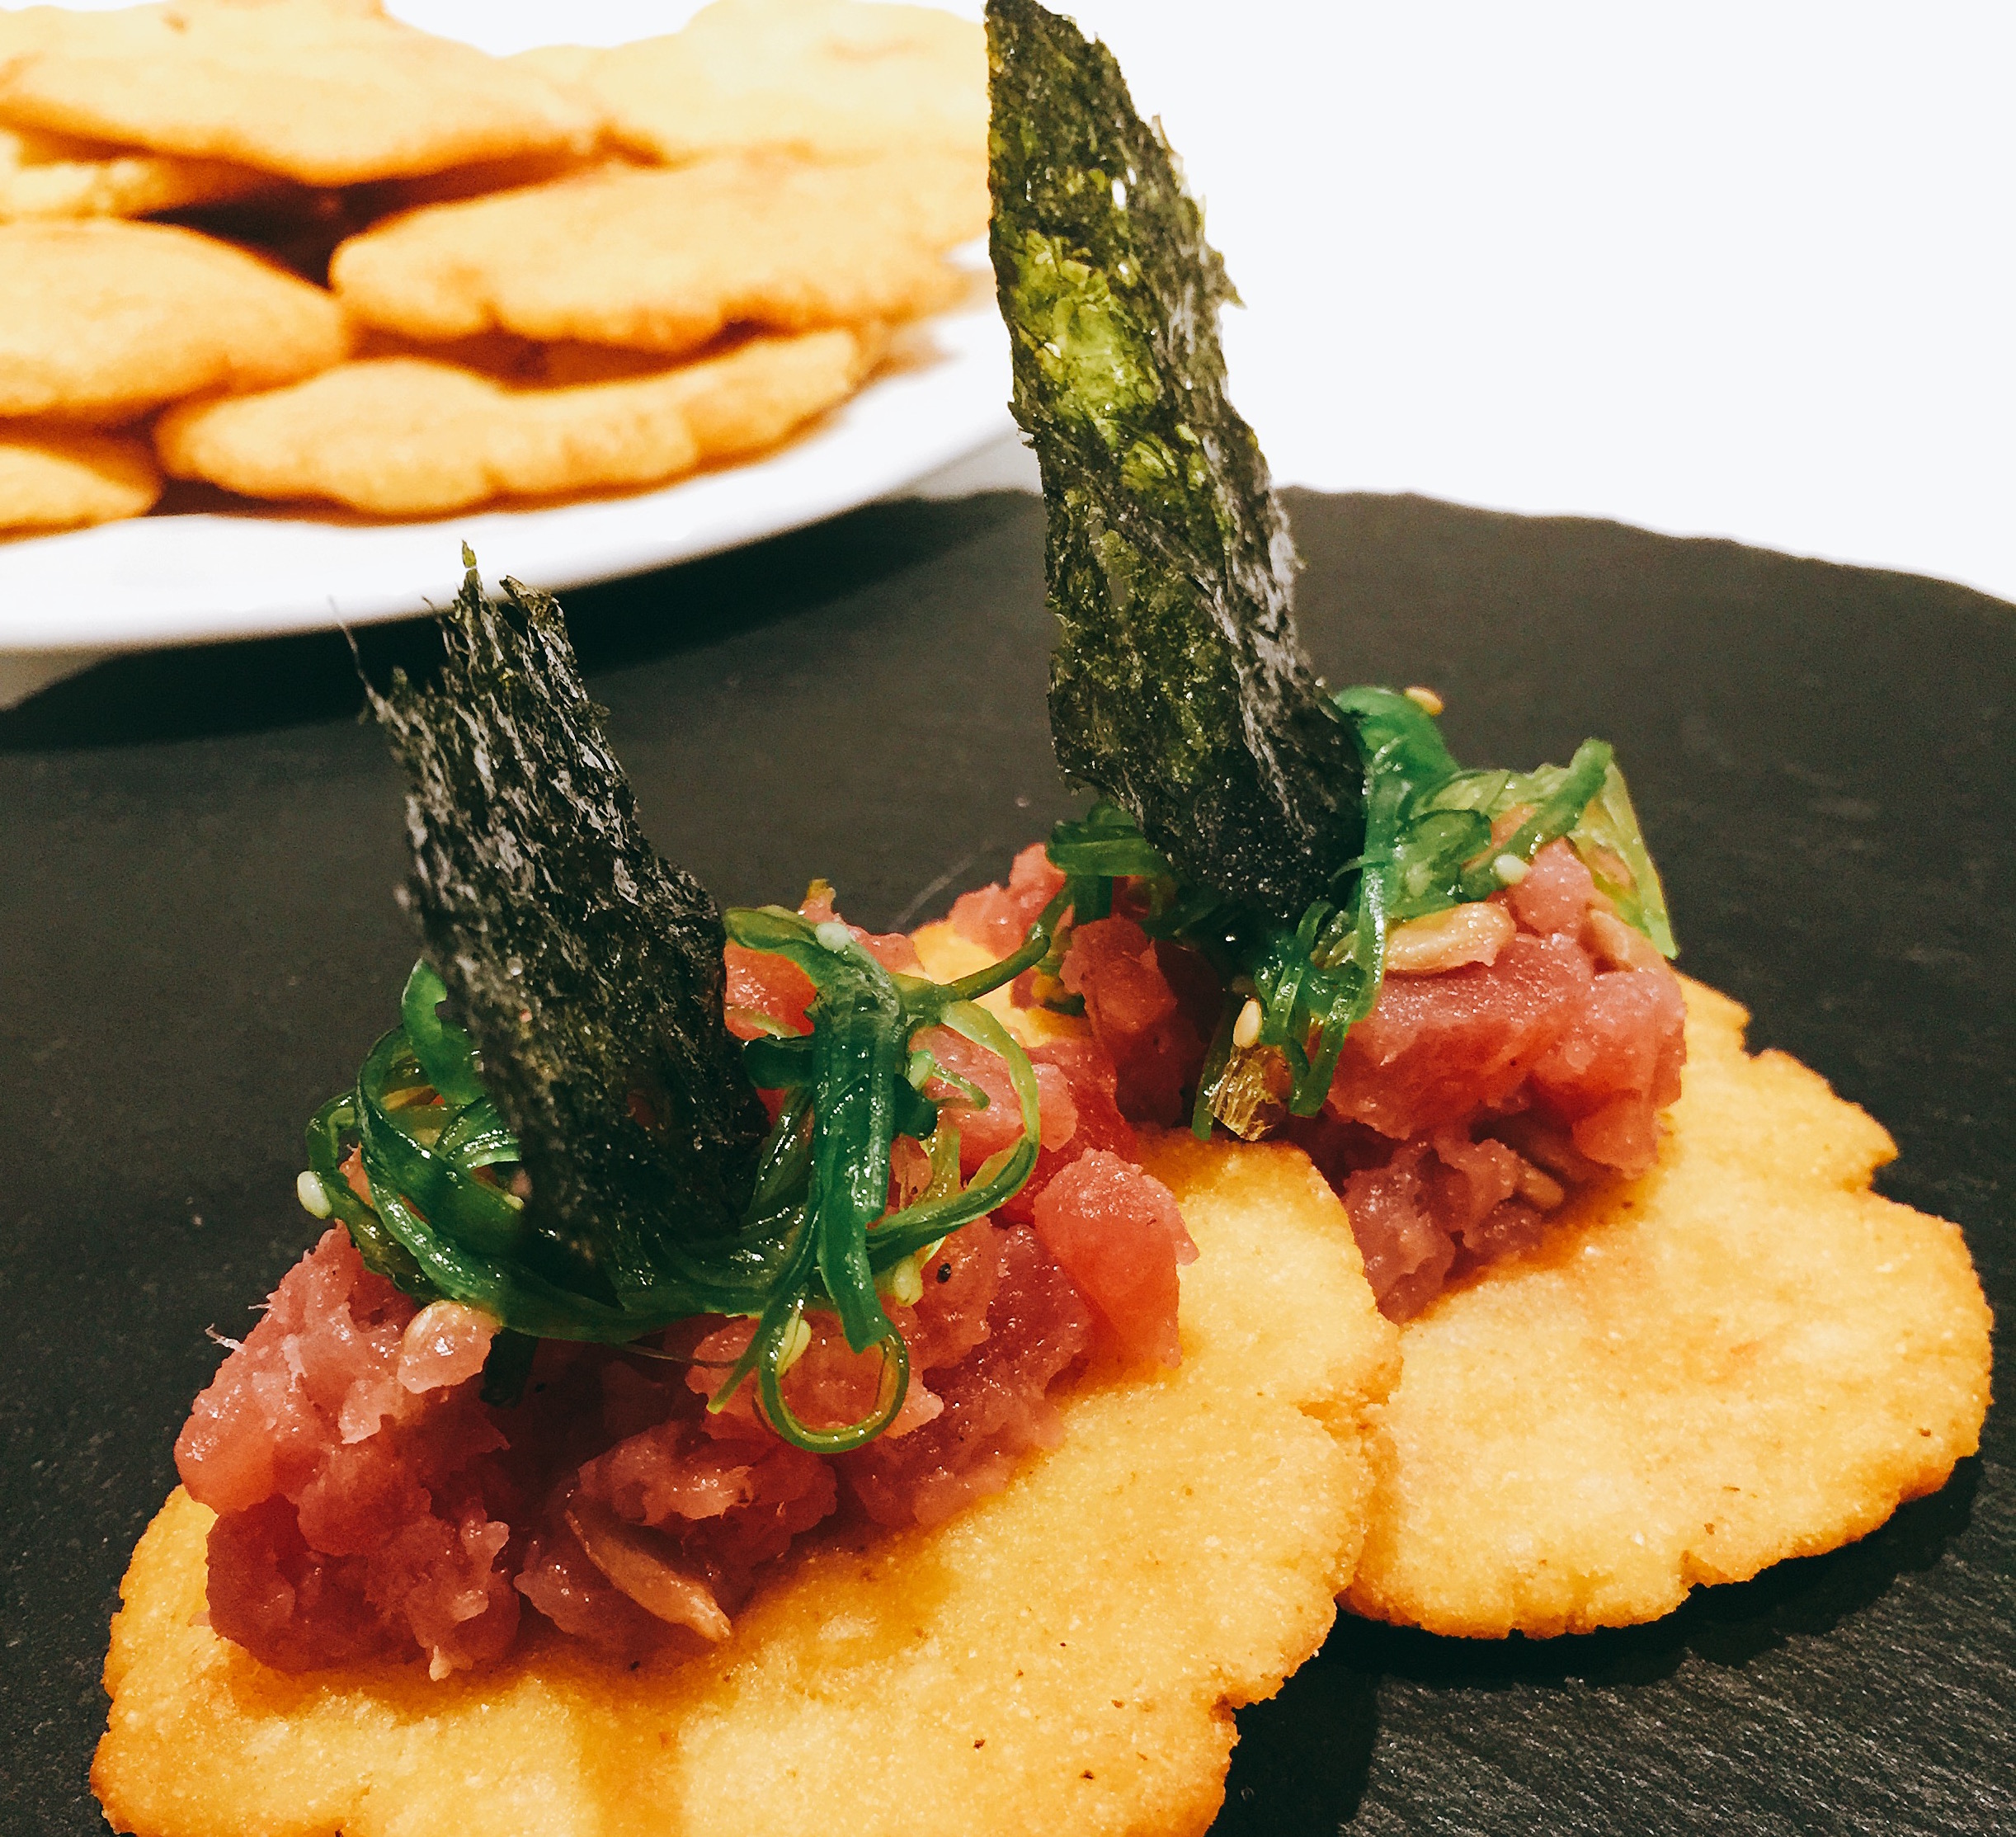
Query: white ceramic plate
(174, 579)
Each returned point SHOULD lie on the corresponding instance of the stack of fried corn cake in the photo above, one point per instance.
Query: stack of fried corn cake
(405, 277)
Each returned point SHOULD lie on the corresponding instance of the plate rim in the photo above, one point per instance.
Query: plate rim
(906, 424)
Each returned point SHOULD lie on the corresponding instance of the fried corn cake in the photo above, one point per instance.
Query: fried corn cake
(1064, 1655)
(60, 478)
(830, 79)
(664, 260)
(57, 175)
(414, 436)
(325, 92)
(102, 320)
(1744, 1356)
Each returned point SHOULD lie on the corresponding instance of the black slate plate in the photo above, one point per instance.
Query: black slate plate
(197, 942)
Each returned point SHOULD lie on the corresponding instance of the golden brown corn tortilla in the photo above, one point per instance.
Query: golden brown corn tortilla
(659, 260)
(1744, 1356)
(410, 436)
(101, 320)
(326, 93)
(56, 175)
(1063, 1657)
(830, 79)
(59, 478)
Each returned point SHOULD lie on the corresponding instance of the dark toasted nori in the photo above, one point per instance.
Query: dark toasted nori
(588, 969)
(1177, 688)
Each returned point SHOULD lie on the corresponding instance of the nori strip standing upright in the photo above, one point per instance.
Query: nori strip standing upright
(588, 968)
(1177, 688)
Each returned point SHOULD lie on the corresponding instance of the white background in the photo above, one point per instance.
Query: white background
(1737, 269)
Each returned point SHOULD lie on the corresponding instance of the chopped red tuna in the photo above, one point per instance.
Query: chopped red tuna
(371, 1504)
(987, 1129)
(1118, 1235)
(348, 1465)
(1617, 1066)
(1467, 1101)
(1438, 1049)
(561, 1581)
(1555, 893)
(1440, 1204)
(997, 917)
(761, 984)
(1407, 1254)
(996, 1404)
(680, 1516)
(1136, 1014)
(1093, 1084)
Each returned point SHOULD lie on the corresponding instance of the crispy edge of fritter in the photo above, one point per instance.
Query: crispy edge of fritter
(412, 435)
(106, 317)
(665, 259)
(1064, 1657)
(63, 478)
(50, 175)
(325, 92)
(1744, 1356)
(827, 81)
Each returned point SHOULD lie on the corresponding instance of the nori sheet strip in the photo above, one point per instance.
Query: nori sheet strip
(588, 968)
(1178, 688)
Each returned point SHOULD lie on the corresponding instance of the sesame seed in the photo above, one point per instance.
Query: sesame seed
(1425, 699)
(1540, 1188)
(314, 1200)
(794, 1346)
(905, 1282)
(1509, 869)
(1245, 1030)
